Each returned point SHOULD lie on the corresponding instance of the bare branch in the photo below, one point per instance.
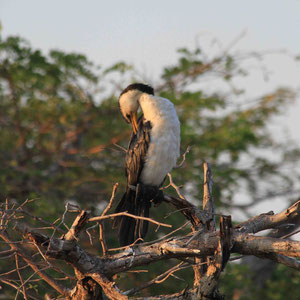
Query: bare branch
(21, 279)
(101, 231)
(42, 274)
(204, 249)
(108, 287)
(174, 186)
(270, 220)
(282, 259)
(159, 279)
(197, 216)
(100, 218)
(77, 225)
(290, 234)
(187, 151)
(256, 245)
(208, 203)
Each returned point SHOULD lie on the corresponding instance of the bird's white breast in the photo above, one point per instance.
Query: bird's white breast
(164, 147)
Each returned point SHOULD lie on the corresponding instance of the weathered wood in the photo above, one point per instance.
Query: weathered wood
(270, 220)
(77, 226)
(204, 244)
(257, 245)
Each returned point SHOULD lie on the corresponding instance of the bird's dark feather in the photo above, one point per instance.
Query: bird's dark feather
(137, 151)
(144, 88)
(138, 201)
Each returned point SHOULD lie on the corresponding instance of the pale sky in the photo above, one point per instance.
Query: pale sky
(148, 33)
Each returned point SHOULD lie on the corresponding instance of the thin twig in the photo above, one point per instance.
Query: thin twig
(152, 242)
(61, 222)
(120, 147)
(88, 233)
(99, 218)
(194, 236)
(128, 246)
(115, 187)
(10, 284)
(33, 265)
(184, 157)
(174, 186)
(290, 234)
(101, 231)
(42, 255)
(13, 271)
(5, 252)
(8, 256)
(137, 271)
(21, 279)
(158, 279)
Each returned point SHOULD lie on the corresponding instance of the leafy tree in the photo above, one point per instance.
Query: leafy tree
(62, 133)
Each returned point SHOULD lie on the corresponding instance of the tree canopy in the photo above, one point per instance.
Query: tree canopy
(63, 138)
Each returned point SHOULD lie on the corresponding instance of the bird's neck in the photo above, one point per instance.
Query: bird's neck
(154, 108)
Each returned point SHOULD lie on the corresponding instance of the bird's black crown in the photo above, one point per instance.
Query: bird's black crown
(144, 88)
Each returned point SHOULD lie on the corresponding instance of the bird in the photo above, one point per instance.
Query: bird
(152, 153)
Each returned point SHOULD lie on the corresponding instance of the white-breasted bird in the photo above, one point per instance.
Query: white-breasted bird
(152, 153)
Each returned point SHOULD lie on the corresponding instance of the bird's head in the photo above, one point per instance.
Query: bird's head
(129, 102)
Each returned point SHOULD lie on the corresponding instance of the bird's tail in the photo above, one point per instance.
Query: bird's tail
(136, 202)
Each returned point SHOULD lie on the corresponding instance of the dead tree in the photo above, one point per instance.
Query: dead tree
(206, 250)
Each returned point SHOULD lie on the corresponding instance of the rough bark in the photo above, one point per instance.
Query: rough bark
(204, 246)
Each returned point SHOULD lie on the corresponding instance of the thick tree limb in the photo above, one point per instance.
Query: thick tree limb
(203, 246)
(198, 245)
(270, 220)
(256, 245)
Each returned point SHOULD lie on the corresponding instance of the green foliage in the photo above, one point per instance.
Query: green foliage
(59, 128)
(237, 283)
(53, 133)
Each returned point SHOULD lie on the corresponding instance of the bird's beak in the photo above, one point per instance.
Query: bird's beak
(134, 123)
